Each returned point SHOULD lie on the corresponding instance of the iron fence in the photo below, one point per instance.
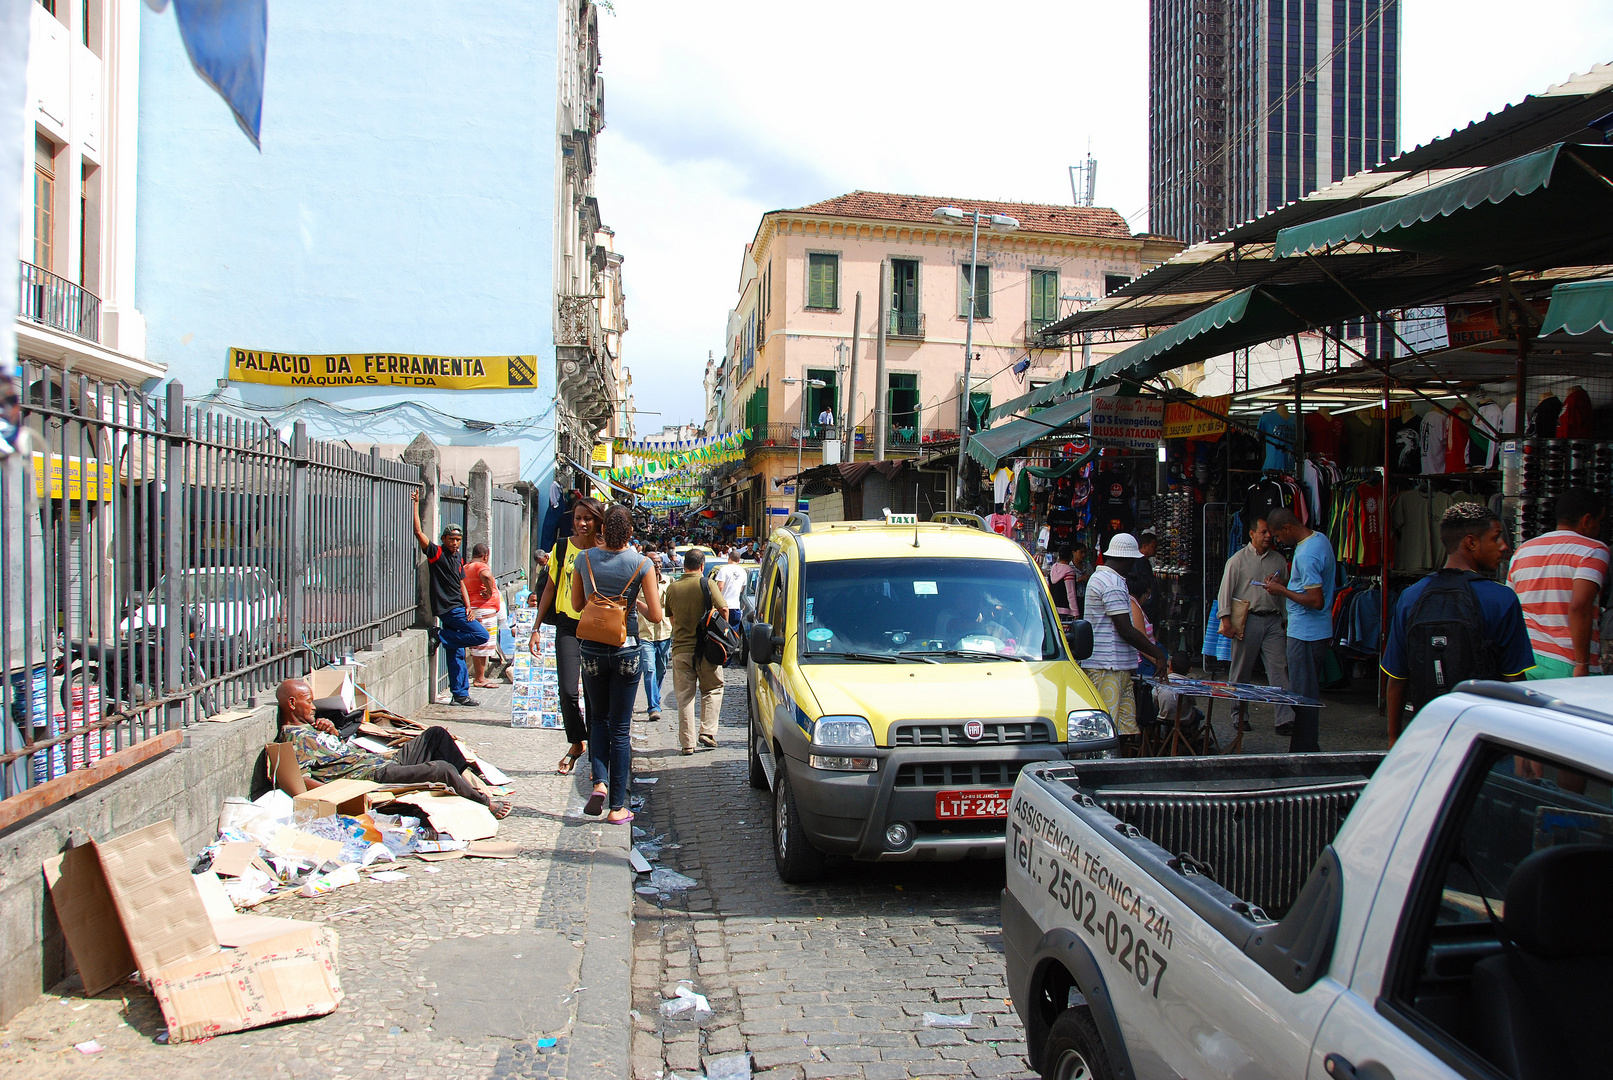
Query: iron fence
(162, 563)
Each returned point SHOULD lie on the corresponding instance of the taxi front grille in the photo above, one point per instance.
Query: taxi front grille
(996, 733)
(959, 774)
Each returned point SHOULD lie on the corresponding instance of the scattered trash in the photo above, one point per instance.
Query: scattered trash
(544, 1044)
(685, 1000)
(319, 884)
(394, 1030)
(636, 859)
(647, 890)
(162, 1037)
(941, 1020)
(646, 779)
(728, 1067)
(666, 880)
(89, 1047)
(389, 875)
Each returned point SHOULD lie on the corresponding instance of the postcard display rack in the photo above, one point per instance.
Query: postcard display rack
(536, 700)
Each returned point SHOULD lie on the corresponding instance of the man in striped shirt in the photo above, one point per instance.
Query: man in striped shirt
(1558, 577)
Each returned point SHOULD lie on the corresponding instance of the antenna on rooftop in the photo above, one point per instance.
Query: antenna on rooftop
(1084, 181)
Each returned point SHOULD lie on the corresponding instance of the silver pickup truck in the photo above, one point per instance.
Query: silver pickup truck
(1445, 910)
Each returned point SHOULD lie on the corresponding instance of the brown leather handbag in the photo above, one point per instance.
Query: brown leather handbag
(604, 618)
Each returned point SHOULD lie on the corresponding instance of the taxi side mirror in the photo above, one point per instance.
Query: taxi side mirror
(1080, 639)
(762, 643)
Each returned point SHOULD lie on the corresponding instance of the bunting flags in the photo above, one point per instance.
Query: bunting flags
(677, 452)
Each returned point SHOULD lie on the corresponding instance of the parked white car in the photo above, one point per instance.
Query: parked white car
(1285, 917)
(237, 610)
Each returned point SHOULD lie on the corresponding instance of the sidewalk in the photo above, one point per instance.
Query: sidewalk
(452, 973)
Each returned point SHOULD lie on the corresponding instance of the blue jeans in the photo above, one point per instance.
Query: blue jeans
(657, 658)
(738, 624)
(459, 633)
(609, 689)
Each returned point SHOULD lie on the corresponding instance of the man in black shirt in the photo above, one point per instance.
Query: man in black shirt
(450, 602)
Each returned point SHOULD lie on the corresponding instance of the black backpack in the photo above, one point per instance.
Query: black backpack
(715, 639)
(1445, 638)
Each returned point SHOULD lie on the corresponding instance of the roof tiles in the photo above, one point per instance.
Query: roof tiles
(1033, 217)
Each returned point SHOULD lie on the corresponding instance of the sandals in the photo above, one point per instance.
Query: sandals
(612, 819)
(708, 742)
(595, 804)
(567, 763)
(501, 808)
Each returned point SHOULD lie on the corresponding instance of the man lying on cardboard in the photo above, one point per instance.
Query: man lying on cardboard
(431, 758)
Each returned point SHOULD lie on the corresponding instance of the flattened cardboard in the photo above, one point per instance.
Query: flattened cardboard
(296, 844)
(440, 856)
(285, 770)
(234, 859)
(455, 816)
(161, 912)
(282, 978)
(350, 797)
(492, 849)
(89, 919)
(235, 930)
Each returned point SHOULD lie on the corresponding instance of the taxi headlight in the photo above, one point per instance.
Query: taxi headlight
(842, 731)
(1088, 726)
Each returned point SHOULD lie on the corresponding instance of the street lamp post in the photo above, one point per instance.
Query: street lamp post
(999, 223)
(800, 430)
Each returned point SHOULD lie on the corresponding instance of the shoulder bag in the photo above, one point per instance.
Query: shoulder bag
(604, 618)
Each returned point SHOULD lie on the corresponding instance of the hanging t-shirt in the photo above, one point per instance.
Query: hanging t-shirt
(1405, 446)
(1322, 432)
(999, 484)
(1263, 497)
(1112, 511)
(1413, 536)
(1509, 418)
(1456, 441)
(1277, 431)
(1575, 421)
(1543, 421)
(1433, 436)
(1002, 524)
(1370, 499)
(1481, 448)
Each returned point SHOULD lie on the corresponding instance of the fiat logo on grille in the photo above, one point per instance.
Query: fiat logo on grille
(973, 729)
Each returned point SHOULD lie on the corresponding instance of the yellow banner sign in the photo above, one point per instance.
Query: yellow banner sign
(1182, 421)
(385, 369)
(83, 479)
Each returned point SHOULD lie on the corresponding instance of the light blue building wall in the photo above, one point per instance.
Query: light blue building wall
(403, 202)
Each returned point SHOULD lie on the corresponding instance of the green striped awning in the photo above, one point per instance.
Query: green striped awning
(1581, 308)
(1006, 440)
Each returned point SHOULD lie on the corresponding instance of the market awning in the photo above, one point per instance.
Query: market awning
(990, 447)
(1581, 308)
(1553, 207)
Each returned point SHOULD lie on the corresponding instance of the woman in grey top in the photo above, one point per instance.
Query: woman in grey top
(610, 674)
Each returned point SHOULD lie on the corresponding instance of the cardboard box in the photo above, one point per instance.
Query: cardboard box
(337, 688)
(305, 847)
(349, 797)
(455, 816)
(173, 928)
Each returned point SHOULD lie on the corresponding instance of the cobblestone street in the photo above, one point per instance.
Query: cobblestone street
(456, 972)
(820, 981)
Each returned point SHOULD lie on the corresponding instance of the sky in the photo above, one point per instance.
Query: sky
(717, 112)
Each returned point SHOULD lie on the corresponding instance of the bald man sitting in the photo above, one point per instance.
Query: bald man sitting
(431, 758)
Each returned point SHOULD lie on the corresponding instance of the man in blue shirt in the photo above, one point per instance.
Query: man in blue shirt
(1309, 593)
(1474, 542)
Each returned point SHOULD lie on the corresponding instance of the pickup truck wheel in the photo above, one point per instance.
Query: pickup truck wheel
(798, 862)
(1074, 1050)
(758, 775)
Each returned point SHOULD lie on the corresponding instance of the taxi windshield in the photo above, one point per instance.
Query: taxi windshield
(926, 609)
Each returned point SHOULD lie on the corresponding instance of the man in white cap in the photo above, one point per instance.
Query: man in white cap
(1116, 640)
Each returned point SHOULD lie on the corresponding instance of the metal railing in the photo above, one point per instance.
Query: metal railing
(42, 297)
(904, 324)
(508, 548)
(162, 563)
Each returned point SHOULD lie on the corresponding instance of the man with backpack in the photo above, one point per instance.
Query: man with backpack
(1457, 623)
(698, 613)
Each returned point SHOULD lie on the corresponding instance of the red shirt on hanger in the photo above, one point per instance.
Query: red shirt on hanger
(1456, 441)
(1370, 498)
(1322, 434)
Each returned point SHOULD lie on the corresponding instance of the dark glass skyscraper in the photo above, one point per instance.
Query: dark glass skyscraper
(1254, 103)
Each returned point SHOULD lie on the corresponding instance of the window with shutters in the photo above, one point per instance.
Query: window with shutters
(980, 281)
(823, 280)
(44, 203)
(1044, 298)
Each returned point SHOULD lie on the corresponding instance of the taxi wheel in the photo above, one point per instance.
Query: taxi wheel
(798, 862)
(758, 775)
(1074, 1050)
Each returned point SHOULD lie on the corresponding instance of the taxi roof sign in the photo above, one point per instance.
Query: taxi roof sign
(901, 519)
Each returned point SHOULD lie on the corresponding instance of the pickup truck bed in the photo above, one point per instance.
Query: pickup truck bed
(1253, 825)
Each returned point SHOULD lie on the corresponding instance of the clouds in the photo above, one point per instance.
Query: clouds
(719, 112)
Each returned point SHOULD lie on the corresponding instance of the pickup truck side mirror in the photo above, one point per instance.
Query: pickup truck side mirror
(1080, 639)
(763, 644)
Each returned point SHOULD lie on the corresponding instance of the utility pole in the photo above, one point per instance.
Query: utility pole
(968, 357)
(851, 381)
(879, 363)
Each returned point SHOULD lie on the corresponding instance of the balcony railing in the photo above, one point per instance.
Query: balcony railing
(44, 298)
(1034, 336)
(900, 437)
(904, 324)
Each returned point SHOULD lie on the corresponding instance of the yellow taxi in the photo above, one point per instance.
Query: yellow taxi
(901, 674)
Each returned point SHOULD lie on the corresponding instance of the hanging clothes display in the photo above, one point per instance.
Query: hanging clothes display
(1575, 420)
(1435, 431)
(1278, 434)
(1456, 440)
